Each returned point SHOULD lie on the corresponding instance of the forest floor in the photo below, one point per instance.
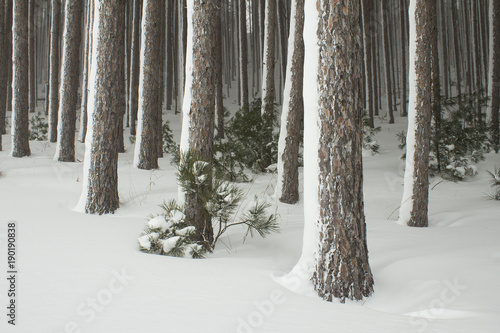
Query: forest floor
(82, 273)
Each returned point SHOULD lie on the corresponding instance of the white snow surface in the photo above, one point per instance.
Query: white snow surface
(438, 279)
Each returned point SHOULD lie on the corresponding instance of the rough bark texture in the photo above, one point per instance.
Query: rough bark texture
(423, 114)
(54, 70)
(444, 48)
(3, 69)
(86, 68)
(436, 86)
(70, 71)
(31, 52)
(102, 190)
(151, 83)
(290, 156)
(342, 268)
(219, 95)
(20, 83)
(243, 54)
(8, 36)
(404, 53)
(367, 46)
(387, 62)
(134, 66)
(201, 131)
(270, 35)
(495, 93)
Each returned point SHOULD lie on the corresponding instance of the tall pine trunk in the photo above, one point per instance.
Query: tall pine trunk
(87, 56)
(31, 52)
(134, 66)
(70, 73)
(243, 53)
(54, 69)
(342, 268)
(3, 69)
(100, 188)
(20, 80)
(494, 72)
(269, 62)
(387, 62)
(414, 206)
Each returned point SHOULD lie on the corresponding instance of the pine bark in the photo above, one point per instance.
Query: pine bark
(342, 268)
(54, 69)
(404, 53)
(495, 73)
(387, 62)
(8, 36)
(243, 53)
(151, 86)
(219, 95)
(269, 61)
(87, 56)
(202, 111)
(293, 111)
(456, 42)
(70, 73)
(3, 68)
(20, 80)
(436, 86)
(100, 195)
(31, 52)
(367, 49)
(134, 66)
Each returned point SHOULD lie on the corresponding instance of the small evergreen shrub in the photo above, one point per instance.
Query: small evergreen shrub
(38, 128)
(169, 144)
(368, 133)
(459, 142)
(171, 234)
(495, 183)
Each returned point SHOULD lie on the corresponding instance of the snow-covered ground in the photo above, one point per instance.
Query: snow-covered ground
(81, 273)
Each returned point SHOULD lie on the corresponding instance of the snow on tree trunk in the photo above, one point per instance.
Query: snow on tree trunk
(268, 66)
(100, 177)
(70, 70)
(54, 70)
(150, 86)
(494, 71)
(414, 206)
(287, 189)
(20, 82)
(199, 101)
(342, 268)
(243, 54)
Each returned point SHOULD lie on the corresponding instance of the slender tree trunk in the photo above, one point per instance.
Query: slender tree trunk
(342, 268)
(456, 42)
(269, 61)
(367, 48)
(387, 61)
(70, 71)
(87, 57)
(219, 98)
(495, 72)
(20, 83)
(199, 103)
(414, 205)
(444, 40)
(31, 47)
(54, 70)
(287, 189)
(243, 53)
(100, 188)
(134, 66)
(9, 27)
(436, 86)
(3, 68)
(151, 86)
(376, 73)
(404, 45)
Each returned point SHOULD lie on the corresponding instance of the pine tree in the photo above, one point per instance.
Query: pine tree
(100, 188)
(287, 189)
(3, 70)
(86, 69)
(342, 268)
(20, 76)
(65, 151)
(151, 86)
(414, 205)
(31, 52)
(243, 53)
(134, 65)
(54, 69)
(495, 71)
(269, 61)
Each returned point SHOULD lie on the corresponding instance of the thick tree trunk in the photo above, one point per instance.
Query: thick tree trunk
(70, 71)
(269, 61)
(54, 69)
(416, 180)
(100, 190)
(31, 48)
(342, 268)
(87, 56)
(293, 111)
(20, 80)
(151, 86)
(134, 66)
(387, 62)
(243, 53)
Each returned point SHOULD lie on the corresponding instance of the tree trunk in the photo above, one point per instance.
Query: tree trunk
(87, 56)
(495, 72)
(70, 71)
(287, 189)
(436, 87)
(269, 47)
(445, 51)
(367, 48)
(342, 268)
(20, 80)
(151, 86)
(387, 62)
(243, 53)
(100, 188)
(134, 66)
(54, 70)
(219, 98)
(3, 67)
(404, 45)
(9, 27)
(416, 180)
(456, 42)
(31, 52)
(199, 102)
